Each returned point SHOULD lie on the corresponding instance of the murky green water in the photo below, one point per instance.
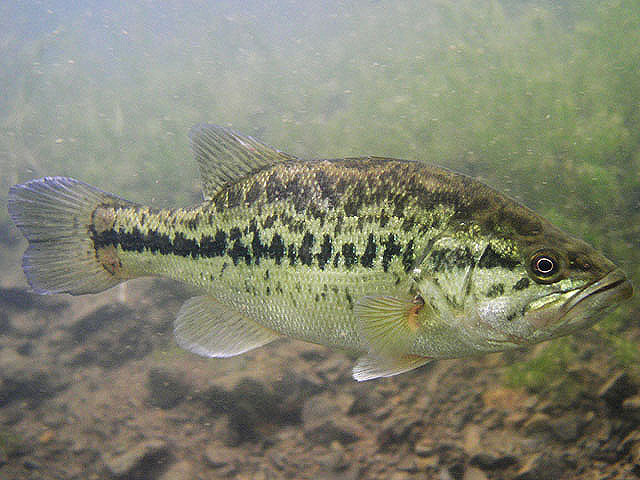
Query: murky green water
(539, 99)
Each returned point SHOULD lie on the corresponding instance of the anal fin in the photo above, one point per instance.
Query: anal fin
(208, 328)
(371, 366)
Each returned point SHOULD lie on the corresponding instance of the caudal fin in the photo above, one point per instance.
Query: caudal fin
(55, 215)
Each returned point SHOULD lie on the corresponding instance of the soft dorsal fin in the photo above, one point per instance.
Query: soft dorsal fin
(225, 156)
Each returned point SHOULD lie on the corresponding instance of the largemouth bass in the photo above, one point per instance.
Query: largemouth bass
(398, 260)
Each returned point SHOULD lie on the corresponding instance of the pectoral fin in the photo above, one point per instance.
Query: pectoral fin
(389, 324)
(370, 366)
(208, 328)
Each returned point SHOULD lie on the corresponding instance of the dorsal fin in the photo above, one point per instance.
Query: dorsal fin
(225, 156)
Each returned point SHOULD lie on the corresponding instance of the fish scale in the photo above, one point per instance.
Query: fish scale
(223, 271)
(398, 260)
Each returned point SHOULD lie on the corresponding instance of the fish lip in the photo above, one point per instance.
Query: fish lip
(615, 282)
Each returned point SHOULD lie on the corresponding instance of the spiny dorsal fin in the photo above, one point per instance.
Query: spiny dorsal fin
(225, 156)
(370, 366)
(208, 328)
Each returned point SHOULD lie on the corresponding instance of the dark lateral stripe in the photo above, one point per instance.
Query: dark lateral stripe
(160, 243)
(251, 248)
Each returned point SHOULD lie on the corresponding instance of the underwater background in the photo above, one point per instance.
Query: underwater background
(539, 99)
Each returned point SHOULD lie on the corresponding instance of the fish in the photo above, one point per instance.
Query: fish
(398, 261)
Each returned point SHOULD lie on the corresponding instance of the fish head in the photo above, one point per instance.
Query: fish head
(558, 285)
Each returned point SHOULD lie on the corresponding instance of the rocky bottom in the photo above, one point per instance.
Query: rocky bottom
(94, 387)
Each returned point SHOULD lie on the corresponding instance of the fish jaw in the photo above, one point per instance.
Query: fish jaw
(562, 313)
(587, 306)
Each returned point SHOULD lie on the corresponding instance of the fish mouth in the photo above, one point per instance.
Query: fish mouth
(613, 287)
(596, 297)
(564, 311)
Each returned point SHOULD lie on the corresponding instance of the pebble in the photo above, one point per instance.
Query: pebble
(25, 349)
(251, 404)
(178, 471)
(568, 428)
(472, 436)
(46, 436)
(55, 418)
(278, 460)
(382, 413)
(31, 465)
(335, 459)
(474, 474)
(456, 470)
(540, 467)
(12, 414)
(27, 328)
(515, 419)
(631, 441)
(489, 461)
(166, 390)
(616, 389)
(13, 445)
(635, 452)
(397, 429)
(298, 386)
(537, 423)
(445, 475)
(427, 463)
(30, 383)
(110, 336)
(604, 453)
(408, 464)
(399, 476)
(631, 408)
(19, 299)
(326, 430)
(217, 456)
(425, 447)
(324, 420)
(323, 405)
(5, 323)
(366, 400)
(147, 456)
(99, 319)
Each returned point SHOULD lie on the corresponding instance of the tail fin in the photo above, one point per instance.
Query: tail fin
(55, 215)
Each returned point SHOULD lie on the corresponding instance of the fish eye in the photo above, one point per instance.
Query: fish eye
(544, 266)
